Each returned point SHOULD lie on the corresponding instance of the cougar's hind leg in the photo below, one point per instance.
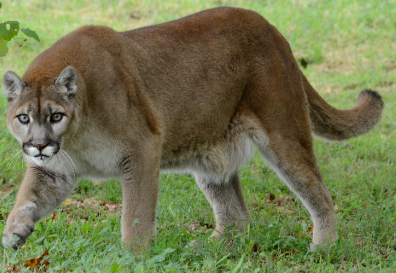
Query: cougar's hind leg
(296, 166)
(284, 137)
(227, 201)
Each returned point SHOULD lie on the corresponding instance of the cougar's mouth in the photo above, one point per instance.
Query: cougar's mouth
(41, 156)
(40, 159)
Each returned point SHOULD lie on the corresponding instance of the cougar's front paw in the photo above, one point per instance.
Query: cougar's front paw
(15, 236)
(14, 241)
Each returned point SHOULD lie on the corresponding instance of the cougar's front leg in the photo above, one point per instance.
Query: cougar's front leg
(40, 193)
(140, 183)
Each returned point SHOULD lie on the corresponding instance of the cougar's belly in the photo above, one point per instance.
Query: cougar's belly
(218, 157)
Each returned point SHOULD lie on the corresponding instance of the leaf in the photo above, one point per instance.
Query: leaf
(161, 257)
(255, 248)
(269, 196)
(11, 268)
(30, 33)
(54, 217)
(194, 225)
(168, 250)
(285, 211)
(156, 259)
(67, 202)
(115, 267)
(9, 29)
(0, 5)
(36, 263)
(3, 47)
(365, 204)
(303, 62)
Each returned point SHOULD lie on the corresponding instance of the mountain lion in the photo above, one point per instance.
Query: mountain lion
(194, 95)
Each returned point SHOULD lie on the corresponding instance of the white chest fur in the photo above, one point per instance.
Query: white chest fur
(97, 157)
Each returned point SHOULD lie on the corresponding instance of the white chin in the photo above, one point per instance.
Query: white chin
(40, 161)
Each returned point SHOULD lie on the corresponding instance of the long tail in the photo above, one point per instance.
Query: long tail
(333, 124)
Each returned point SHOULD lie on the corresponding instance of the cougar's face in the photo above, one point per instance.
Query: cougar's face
(38, 124)
(38, 116)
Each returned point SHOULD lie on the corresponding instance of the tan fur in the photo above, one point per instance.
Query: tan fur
(196, 95)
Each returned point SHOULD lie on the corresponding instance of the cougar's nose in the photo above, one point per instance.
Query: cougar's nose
(41, 146)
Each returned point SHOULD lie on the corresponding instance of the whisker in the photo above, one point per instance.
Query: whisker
(63, 158)
(59, 162)
(15, 155)
(15, 144)
(24, 159)
(13, 159)
(69, 161)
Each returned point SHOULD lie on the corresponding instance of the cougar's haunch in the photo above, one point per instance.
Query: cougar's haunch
(194, 95)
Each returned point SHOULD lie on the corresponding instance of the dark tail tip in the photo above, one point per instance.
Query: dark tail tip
(371, 95)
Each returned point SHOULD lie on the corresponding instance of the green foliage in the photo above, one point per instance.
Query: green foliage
(3, 47)
(9, 30)
(30, 33)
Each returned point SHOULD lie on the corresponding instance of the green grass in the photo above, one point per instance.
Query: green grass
(349, 45)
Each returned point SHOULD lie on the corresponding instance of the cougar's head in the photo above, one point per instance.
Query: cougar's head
(39, 112)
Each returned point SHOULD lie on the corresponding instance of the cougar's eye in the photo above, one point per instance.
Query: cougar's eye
(24, 119)
(56, 117)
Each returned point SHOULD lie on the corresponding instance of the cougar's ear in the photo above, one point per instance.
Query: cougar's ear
(66, 82)
(13, 85)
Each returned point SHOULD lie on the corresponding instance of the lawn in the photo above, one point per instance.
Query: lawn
(345, 46)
